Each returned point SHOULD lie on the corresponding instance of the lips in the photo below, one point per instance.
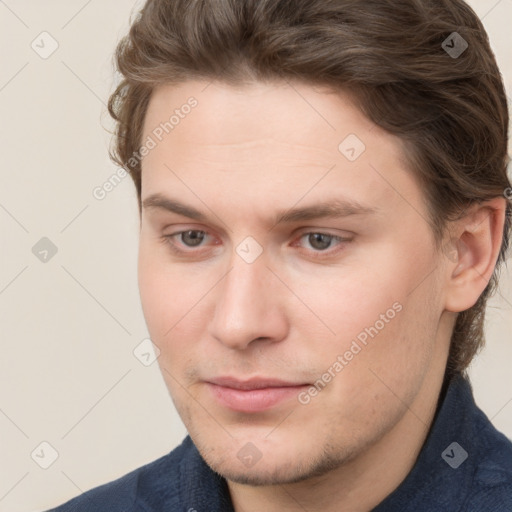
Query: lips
(253, 395)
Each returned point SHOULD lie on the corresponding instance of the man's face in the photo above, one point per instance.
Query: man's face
(255, 302)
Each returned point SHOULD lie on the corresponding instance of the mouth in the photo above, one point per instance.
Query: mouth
(253, 395)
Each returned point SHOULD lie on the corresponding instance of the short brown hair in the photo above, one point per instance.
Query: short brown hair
(449, 110)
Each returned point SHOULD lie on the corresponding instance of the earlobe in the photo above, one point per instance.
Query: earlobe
(477, 239)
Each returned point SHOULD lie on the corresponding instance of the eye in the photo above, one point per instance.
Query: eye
(192, 237)
(181, 240)
(321, 241)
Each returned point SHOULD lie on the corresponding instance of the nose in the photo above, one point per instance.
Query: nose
(249, 306)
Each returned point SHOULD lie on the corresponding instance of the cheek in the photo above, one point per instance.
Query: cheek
(154, 294)
(163, 292)
(395, 361)
(174, 304)
(351, 303)
(380, 320)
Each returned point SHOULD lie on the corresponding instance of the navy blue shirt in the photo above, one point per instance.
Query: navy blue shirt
(465, 465)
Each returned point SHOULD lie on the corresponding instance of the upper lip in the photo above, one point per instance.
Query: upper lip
(253, 383)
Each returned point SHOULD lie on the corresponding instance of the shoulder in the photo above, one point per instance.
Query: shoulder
(157, 478)
(491, 488)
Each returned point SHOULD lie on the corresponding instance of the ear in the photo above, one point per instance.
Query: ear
(475, 245)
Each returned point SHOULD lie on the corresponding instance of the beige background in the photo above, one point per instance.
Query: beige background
(68, 375)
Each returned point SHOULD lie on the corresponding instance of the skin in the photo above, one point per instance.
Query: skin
(240, 157)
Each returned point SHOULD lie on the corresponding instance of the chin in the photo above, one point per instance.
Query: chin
(274, 468)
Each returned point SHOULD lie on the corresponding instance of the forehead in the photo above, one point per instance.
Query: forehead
(266, 141)
(285, 111)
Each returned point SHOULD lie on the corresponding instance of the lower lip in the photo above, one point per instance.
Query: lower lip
(253, 400)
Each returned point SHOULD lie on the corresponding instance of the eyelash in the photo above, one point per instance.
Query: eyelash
(318, 254)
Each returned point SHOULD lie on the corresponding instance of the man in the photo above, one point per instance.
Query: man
(322, 187)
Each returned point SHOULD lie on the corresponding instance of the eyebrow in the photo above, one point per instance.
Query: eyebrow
(335, 208)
